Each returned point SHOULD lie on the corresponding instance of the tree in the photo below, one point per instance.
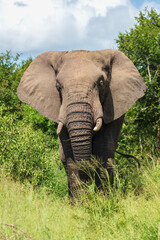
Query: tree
(10, 74)
(142, 45)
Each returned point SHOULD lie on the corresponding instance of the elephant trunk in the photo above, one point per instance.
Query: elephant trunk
(80, 125)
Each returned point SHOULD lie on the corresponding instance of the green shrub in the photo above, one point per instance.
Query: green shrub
(29, 155)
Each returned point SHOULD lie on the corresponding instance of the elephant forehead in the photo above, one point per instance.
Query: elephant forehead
(79, 69)
(75, 61)
(85, 56)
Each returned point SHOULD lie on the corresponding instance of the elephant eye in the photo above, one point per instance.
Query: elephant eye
(58, 86)
(101, 81)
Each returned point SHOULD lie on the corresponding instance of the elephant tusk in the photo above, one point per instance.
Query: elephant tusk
(98, 125)
(59, 128)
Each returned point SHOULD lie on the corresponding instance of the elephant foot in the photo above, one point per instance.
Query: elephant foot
(78, 187)
(75, 187)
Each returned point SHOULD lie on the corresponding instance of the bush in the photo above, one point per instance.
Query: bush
(29, 155)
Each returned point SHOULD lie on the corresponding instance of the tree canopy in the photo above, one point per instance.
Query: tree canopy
(142, 45)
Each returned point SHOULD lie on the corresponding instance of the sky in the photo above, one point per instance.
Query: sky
(31, 27)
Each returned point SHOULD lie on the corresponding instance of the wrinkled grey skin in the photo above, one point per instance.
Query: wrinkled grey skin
(87, 93)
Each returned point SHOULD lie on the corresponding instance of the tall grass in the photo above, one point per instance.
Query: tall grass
(133, 215)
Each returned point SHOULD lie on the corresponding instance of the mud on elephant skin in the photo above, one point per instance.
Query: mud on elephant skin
(85, 92)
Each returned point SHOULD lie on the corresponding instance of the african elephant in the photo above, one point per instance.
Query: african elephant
(87, 93)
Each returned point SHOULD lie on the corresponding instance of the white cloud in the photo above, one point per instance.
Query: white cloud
(34, 26)
(151, 4)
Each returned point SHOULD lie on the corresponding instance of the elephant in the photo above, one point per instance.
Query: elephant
(87, 93)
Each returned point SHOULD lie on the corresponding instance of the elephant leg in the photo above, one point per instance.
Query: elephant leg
(105, 158)
(104, 147)
(69, 164)
(104, 173)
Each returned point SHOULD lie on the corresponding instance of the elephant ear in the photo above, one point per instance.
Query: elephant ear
(126, 85)
(38, 85)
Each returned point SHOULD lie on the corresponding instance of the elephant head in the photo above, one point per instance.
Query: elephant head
(79, 90)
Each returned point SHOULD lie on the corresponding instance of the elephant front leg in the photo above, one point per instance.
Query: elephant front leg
(69, 164)
(104, 176)
(104, 147)
(74, 183)
(104, 153)
(110, 169)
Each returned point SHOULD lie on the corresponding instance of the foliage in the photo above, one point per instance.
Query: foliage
(10, 74)
(30, 156)
(142, 45)
(30, 116)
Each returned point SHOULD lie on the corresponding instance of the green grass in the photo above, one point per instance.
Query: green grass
(133, 215)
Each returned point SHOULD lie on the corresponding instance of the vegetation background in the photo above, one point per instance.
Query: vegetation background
(33, 186)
